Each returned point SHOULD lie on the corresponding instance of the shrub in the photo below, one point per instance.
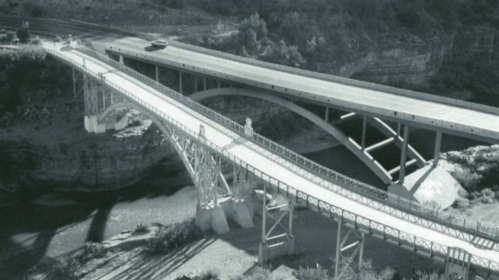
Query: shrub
(308, 273)
(423, 275)
(208, 275)
(468, 179)
(257, 273)
(175, 236)
(92, 251)
(487, 196)
(140, 228)
(35, 42)
(23, 34)
(461, 202)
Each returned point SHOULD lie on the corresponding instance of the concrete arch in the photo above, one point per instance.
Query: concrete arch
(348, 142)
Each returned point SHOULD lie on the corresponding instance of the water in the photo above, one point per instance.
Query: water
(30, 232)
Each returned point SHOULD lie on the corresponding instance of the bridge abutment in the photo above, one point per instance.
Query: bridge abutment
(212, 218)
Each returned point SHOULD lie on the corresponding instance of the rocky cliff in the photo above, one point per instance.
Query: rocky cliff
(81, 161)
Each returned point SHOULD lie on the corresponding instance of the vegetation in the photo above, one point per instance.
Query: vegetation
(324, 36)
(68, 267)
(257, 273)
(27, 77)
(477, 170)
(175, 236)
(23, 34)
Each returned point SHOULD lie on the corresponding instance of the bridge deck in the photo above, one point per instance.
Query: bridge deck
(451, 118)
(264, 160)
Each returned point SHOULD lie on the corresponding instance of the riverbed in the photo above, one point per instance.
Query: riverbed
(30, 231)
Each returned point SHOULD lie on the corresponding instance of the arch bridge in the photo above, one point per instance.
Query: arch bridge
(208, 143)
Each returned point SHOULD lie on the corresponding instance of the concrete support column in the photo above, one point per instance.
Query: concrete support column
(195, 84)
(361, 251)
(326, 115)
(180, 89)
(74, 82)
(364, 128)
(338, 249)
(438, 142)
(403, 157)
(204, 84)
(121, 60)
(157, 73)
(93, 126)
(212, 218)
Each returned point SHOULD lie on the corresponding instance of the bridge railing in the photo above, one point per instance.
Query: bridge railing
(388, 233)
(358, 191)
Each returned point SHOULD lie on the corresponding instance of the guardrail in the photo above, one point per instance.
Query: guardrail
(387, 233)
(395, 115)
(338, 79)
(384, 201)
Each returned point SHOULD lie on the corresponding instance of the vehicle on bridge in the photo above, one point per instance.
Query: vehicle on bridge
(159, 43)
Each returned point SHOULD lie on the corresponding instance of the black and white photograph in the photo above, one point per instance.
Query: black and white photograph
(249, 139)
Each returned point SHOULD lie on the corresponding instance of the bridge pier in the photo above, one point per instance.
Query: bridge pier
(403, 156)
(438, 142)
(364, 131)
(458, 265)
(326, 114)
(157, 73)
(180, 88)
(96, 99)
(279, 244)
(342, 262)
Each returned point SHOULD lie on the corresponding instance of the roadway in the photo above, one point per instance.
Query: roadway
(468, 122)
(262, 159)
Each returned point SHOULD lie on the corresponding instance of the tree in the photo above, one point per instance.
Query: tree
(256, 24)
(23, 34)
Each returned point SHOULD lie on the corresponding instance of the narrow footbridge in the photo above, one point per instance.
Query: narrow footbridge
(209, 143)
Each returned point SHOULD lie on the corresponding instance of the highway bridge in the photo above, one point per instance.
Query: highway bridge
(375, 104)
(206, 141)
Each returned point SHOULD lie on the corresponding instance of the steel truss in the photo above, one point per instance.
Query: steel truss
(282, 240)
(347, 261)
(241, 184)
(458, 265)
(97, 97)
(204, 167)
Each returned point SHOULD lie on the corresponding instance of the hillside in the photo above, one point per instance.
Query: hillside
(442, 47)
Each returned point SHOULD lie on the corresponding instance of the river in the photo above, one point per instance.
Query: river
(30, 231)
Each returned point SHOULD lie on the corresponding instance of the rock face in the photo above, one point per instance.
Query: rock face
(481, 42)
(412, 64)
(87, 162)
